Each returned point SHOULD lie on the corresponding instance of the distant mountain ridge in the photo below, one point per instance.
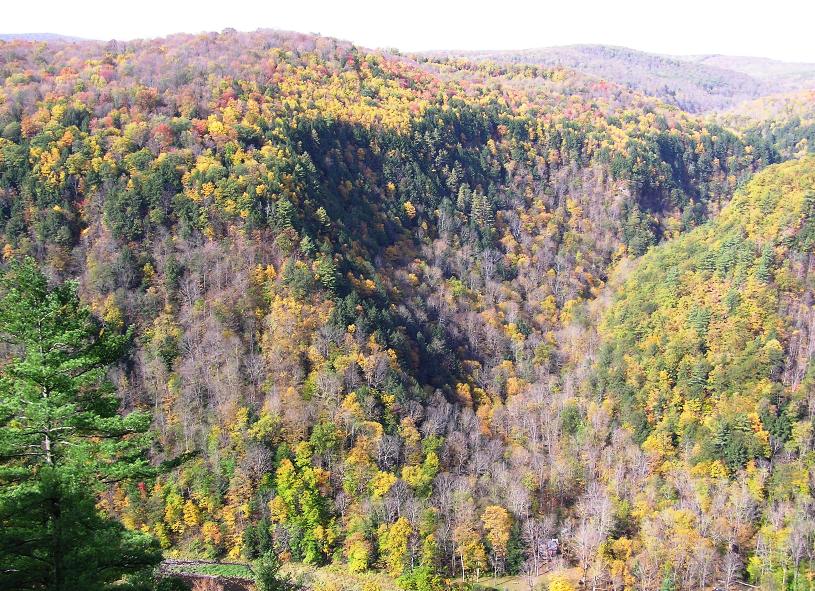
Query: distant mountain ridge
(761, 68)
(48, 37)
(693, 83)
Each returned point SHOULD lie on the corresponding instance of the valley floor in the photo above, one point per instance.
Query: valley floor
(234, 576)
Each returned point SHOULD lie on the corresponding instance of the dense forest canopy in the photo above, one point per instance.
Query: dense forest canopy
(431, 317)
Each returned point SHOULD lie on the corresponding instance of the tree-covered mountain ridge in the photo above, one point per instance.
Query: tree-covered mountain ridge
(425, 317)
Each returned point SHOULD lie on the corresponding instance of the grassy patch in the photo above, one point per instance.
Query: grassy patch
(217, 570)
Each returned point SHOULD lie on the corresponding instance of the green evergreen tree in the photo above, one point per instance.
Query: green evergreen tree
(62, 441)
(267, 574)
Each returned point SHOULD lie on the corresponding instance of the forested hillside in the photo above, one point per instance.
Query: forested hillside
(427, 317)
(707, 360)
(787, 121)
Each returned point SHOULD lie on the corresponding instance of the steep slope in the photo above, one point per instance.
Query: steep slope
(709, 362)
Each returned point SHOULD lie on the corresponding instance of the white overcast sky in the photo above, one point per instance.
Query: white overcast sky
(782, 29)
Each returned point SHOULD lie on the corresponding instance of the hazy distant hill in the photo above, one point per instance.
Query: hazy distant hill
(50, 37)
(790, 76)
(694, 83)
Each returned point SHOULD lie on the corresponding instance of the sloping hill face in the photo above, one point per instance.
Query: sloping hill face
(715, 310)
(709, 362)
(693, 83)
(366, 292)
